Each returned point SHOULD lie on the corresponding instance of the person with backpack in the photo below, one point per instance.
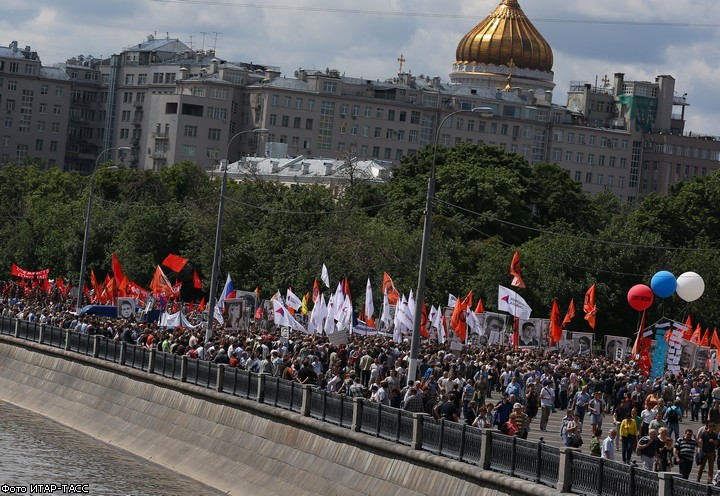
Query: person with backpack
(672, 417)
(595, 443)
(647, 448)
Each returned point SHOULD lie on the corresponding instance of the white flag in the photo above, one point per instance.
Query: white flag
(319, 312)
(472, 321)
(280, 314)
(511, 302)
(385, 317)
(369, 306)
(442, 335)
(227, 289)
(292, 300)
(452, 300)
(295, 325)
(325, 277)
(408, 312)
(344, 315)
(330, 321)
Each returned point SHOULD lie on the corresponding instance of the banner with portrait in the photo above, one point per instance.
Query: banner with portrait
(236, 309)
(494, 328)
(529, 333)
(687, 354)
(125, 307)
(546, 336)
(616, 348)
(702, 355)
(582, 343)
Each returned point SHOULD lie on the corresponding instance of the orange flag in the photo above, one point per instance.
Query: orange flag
(201, 306)
(696, 335)
(457, 321)
(479, 308)
(160, 284)
(715, 341)
(174, 262)
(570, 314)
(389, 288)
(687, 333)
(316, 291)
(555, 323)
(705, 341)
(589, 306)
(516, 272)
(423, 322)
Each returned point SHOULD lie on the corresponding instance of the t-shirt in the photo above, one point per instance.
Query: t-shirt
(707, 439)
(686, 448)
(608, 448)
(651, 449)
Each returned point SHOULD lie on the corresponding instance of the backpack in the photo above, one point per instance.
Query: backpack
(672, 415)
(595, 446)
(575, 441)
(639, 449)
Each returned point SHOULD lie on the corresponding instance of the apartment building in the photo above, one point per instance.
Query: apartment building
(169, 103)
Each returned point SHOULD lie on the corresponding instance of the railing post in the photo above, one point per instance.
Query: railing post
(462, 441)
(123, 353)
(183, 368)
(96, 346)
(261, 387)
(539, 458)
(17, 328)
(513, 456)
(151, 361)
(565, 470)
(632, 480)
(307, 392)
(41, 336)
(220, 381)
(486, 449)
(665, 483)
(417, 433)
(67, 339)
(357, 414)
(601, 468)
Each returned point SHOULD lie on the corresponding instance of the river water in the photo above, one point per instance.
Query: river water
(37, 450)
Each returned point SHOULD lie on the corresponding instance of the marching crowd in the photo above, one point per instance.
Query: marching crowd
(619, 411)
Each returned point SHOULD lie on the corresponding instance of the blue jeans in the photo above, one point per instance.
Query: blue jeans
(674, 427)
(580, 410)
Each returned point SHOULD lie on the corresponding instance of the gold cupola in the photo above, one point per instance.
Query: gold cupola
(505, 44)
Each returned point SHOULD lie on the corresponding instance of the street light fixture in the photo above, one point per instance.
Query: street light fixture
(425, 250)
(218, 233)
(83, 261)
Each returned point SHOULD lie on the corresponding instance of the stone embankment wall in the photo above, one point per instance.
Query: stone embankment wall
(238, 446)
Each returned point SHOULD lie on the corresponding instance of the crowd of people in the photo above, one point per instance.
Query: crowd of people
(620, 412)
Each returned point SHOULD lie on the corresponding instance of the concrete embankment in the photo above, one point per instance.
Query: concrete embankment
(238, 446)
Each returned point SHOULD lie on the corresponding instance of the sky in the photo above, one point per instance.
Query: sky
(640, 38)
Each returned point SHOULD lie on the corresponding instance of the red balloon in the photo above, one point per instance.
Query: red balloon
(640, 297)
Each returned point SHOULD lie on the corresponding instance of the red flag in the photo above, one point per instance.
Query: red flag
(201, 306)
(589, 306)
(641, 349)
(687, 333)
(555, 323)
(346, 288)
(516, 272)
(570, 314)
(46, 285)
(316, 291)
(457, 321)
(60, 286)
(715, 341)
(388, 288)
(259, 313)
(191, 306)
(174, 262)
(197, 283)
(117, 270)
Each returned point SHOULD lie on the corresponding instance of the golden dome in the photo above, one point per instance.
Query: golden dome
(506, 34)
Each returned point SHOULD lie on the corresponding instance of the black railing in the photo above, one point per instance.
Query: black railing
(533, 461)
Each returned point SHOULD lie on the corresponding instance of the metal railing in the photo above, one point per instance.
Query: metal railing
(489, 449)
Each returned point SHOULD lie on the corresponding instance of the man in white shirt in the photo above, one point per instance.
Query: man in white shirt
(608, 445)
(547, 402)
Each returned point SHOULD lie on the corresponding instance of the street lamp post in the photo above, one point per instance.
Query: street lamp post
(218, 233)
(425, 250)
(83, 260)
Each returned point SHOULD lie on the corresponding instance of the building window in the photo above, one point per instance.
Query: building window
(297, 122)
(570, 137)
(578, 176)
(579, 157)
(391, 115)
(299, 103)
(311, 104)
(55, 127)
(44, 89)
(273, 119)
(191, 131)
(401, 135)
(129, 79)
(214, 134)
(378, 132)
(274, 99)
(308, 124)
(212, 153)
(188, 151)
(329, 86)
(588, 177)
(557, 154)
(285, 121)
(53, 146)
(288, 101)
(38, 145)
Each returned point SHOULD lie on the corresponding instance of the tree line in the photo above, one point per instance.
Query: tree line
(488, 204)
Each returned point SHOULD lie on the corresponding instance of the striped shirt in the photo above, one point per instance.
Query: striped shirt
(686, 448)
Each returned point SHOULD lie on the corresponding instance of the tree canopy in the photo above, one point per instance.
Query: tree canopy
(487, 205)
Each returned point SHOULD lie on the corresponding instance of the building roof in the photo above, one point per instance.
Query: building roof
(301, 170)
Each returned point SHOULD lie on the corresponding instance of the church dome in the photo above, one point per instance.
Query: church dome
(506, 34)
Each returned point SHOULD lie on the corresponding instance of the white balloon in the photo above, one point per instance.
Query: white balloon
(690, 286)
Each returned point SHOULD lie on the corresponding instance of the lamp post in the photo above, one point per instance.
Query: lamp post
(425, 250)
(218, 233)
(83, 260)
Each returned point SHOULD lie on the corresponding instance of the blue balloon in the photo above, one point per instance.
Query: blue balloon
(663, 284)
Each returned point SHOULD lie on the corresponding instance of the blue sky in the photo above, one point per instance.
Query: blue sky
(641, 38)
